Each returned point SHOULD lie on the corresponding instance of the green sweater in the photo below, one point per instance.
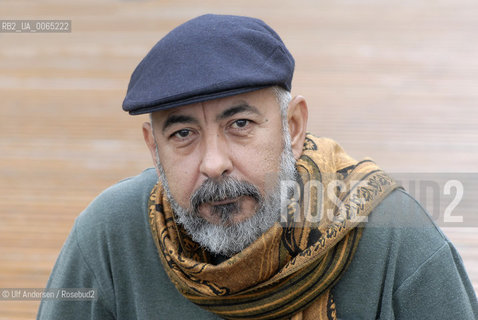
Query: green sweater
(399, 271)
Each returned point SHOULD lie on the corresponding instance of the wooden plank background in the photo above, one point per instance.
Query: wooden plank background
(395, 80)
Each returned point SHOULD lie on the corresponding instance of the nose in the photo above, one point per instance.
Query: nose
(216, 160)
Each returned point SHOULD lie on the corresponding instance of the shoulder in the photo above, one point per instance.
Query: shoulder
(401, 213)
(402, 252)
(121, 204)
(117, 220)
(400, 229)
(397, 239)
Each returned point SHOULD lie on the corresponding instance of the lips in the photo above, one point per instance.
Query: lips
(223, 202)
(225, 198)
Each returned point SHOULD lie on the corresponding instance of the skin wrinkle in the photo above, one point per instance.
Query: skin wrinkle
(227, 237)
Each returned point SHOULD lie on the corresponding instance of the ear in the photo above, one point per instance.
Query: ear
(150, 142)
(297, 117)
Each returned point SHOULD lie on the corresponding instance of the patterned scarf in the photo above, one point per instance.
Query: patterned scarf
(288, 272)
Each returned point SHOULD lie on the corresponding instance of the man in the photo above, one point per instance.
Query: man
(252, 217)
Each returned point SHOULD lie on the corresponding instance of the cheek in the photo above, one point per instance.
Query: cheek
(260, 164)
(181, 178)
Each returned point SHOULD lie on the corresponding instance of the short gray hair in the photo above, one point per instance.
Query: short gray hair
(283, 98)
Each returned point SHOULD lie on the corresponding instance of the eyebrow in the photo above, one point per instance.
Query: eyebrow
(243, 107)
(173, 119)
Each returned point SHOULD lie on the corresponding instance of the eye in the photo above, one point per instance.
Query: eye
(241, 123)
(181, 134)
(183, 137)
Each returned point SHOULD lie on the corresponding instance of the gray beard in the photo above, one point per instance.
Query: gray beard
(230, 238)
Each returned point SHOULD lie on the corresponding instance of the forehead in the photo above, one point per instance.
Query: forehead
(263, 100)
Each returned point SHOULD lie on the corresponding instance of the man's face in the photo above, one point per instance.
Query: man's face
(239, 137)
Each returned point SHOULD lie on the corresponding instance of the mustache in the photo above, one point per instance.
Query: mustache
(225, 189)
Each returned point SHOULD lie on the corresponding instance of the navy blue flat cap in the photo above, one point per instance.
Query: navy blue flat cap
(209, 57)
